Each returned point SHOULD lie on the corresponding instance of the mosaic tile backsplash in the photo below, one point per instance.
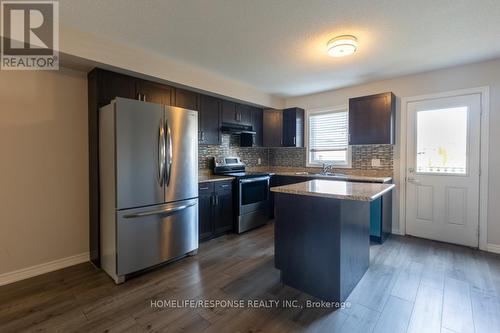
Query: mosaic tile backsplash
(230, 146)
(362, 156)
(290, 157)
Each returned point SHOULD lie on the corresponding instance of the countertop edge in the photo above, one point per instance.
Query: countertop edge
(218, 179)
(283, 189)
(375, 179)
(381, 193)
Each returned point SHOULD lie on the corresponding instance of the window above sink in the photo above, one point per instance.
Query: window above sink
(327, 137)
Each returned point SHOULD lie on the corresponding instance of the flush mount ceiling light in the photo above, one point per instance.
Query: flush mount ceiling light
(342, 46)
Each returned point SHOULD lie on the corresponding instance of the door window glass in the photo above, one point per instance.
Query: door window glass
(442, 141)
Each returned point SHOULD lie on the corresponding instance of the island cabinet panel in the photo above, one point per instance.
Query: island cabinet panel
(209, 120)
(372, 119)
(322, 245)
(186, 99)
(273, 128)
(215, 216)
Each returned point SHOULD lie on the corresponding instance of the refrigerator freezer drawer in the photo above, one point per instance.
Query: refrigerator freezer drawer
(150, 236)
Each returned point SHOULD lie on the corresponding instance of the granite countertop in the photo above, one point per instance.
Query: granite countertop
(205, 178)
(336, 189)
(360, 178)
(353, 175)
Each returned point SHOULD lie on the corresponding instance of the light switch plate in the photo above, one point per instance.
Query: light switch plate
(259, 161)
(375, 162)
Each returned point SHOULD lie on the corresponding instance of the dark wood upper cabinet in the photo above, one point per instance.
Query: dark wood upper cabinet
(209, 120)
(273, 128)
(257, 126)
(372, 119)
(236, 113)
(293, 127)
(186, 99)
(154, 92)
(111, 85)
(244, 114)
(229, 114)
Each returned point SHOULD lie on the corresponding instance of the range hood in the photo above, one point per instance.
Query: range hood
(237, 128)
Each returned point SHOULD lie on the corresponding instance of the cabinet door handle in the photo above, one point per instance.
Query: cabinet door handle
(294, 140)
(216, 200)
(224, 186)
(202, 136)
(144, 97)
(139, 96)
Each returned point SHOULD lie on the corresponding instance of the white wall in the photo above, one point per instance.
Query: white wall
(469, 76)
(44, 167)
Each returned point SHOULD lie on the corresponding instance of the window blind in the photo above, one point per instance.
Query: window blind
(328, 137)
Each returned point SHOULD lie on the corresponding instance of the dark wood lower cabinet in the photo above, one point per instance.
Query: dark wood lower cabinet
(223, 208)
(215, 209)
(205, 197)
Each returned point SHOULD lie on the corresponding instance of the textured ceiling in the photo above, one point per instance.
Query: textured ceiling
(278, 46)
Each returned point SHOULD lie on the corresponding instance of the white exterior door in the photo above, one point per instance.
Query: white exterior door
(442, 190)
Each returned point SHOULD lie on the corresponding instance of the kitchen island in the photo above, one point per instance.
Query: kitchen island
(322, 236)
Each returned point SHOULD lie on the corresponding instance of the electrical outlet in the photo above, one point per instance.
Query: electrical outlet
(375, 162)
(259, 161)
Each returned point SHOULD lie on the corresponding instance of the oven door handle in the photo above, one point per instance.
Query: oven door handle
(256, 179)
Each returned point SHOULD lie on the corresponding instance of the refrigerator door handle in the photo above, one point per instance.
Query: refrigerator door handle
(161, 154)
(160, 211)
(169, 153)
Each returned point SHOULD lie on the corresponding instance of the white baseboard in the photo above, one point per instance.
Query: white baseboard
(50, 266)
(494, 248)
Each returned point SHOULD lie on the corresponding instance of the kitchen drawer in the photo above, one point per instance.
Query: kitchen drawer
(205, 187)
(223, 186)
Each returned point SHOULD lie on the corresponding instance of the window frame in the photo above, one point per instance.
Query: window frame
(309, 112)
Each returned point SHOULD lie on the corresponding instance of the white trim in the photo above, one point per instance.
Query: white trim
(483, 179)
(50, 266)
(338, 108)
(493, 248)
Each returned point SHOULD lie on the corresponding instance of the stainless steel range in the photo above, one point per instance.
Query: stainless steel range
(252, 195)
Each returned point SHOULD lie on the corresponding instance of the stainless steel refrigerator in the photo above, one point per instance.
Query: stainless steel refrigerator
(148, 175)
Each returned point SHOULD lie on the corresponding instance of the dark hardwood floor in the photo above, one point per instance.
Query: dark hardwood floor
(412, 285)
